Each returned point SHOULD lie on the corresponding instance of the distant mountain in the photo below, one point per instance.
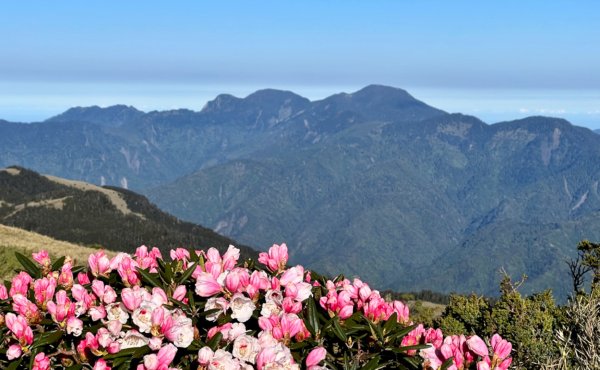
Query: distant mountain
(83, 213)
(113, 116)
(374, 183)
(597, 131)
(439, 203)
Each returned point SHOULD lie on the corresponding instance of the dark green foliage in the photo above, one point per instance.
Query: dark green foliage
(529, 323)
(89, 217)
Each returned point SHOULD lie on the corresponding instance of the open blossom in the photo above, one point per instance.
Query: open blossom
(74, 326)
(276, 258)
(242, 307)
(42, 258)
(214, 303)
(207, 285)
(246, 348)
(162, 359)
(19, 327)
(14, 351)
(20, 284)
(44, 290)
(41, 362)
(182, 331)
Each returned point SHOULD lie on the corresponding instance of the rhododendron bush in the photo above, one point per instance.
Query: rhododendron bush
(204, 310)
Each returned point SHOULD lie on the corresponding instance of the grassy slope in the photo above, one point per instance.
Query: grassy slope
(14, 240)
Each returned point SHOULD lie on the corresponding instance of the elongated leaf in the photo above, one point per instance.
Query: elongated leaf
(337, 329)
(213, 343)
(447, 363)
(49, 337)
(186, 275)
(408, 348)
(15, 364)
(313, 320)
(58, 263)
(401, 333)
(391, 323)
(29, 266)
(149, 277)
(373, 364)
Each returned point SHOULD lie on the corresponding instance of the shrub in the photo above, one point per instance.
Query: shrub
(204, 310)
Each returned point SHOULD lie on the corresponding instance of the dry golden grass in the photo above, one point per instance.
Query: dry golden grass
(25, 242)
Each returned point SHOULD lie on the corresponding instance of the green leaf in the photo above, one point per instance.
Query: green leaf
(408, 348)
(186, 275)
(401, 333)
(49, 337)
(213, 343)
(58, 263)
(15, 364)
(373, 364)
(29, 266)
(313, 320)
(375, 330)
(337, 329)
(75, 367)
(447, 363)
(149, 277)
(391, 323)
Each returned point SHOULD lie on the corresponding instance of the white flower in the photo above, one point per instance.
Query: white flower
(269, 309)
(116, 311)
(274, 296)
(246, 348)
(236, 330)
(222, 360)
(214, 303)
(182, 332)
(242, 307)
(133, 339)
(304, 291)
(142, 317)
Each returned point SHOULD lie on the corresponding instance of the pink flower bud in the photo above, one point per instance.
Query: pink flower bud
(14, 351)
(205, 355)
(315, 356)
(477, 346)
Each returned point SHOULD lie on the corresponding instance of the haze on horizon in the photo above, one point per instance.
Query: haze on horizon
(497, 61)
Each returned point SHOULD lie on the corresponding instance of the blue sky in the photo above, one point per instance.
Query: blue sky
(497, 60)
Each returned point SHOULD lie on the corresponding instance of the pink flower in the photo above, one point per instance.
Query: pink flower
(24, 307)
(101, 365)
(180, 292)
(132, 298)
(207, 285)
(74, 326)
(14, 351)
(276, 258)
(501, 347)
(162, 360)
(41, 362)
(3, 292)
(205, 355)
(18, 325)
(180, 254)
(44, 290)
(42, 258)
(315, 356)
(66, 275)
(62, 308)
(477, 346)
(127, 270)
(99, 264)
(20, 284)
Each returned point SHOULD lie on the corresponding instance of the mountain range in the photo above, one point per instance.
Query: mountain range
(375, 183)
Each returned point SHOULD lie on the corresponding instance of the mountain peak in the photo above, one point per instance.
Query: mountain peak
(113, 116)
(384, 103)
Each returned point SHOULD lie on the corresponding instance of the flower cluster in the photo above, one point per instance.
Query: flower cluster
(206, 310)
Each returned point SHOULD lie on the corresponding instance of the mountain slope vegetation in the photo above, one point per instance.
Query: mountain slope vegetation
(109, 217)
(374, 183)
